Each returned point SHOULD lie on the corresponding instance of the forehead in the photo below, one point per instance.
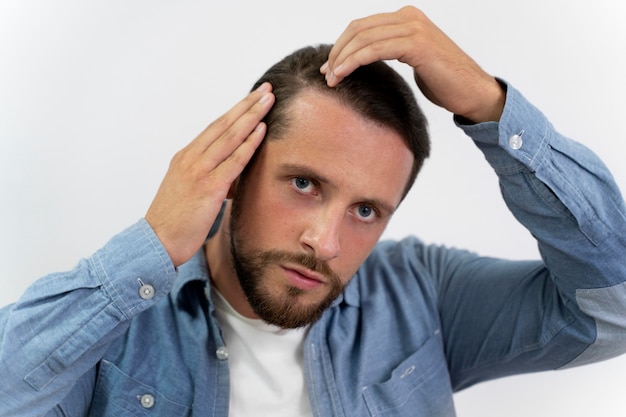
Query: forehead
(355, 153)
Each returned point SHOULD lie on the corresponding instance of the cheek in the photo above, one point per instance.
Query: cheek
(271, 218)
(355, 248)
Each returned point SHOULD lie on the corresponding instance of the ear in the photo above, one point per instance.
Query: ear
(233, 189)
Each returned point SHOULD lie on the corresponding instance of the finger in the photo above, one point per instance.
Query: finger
(355, 27)
(230, 169)
(214, 130)
(366, 38)
(373, 40)
(393, 47)
(239, 132)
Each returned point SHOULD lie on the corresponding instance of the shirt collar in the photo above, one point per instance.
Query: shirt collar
(351, 294)
(195, 270)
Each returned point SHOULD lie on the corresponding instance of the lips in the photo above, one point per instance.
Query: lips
(303, 278)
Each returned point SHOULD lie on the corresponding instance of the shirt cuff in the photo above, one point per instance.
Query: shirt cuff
(134, 269)
(517, 141)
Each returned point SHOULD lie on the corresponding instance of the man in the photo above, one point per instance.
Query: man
(163, 321)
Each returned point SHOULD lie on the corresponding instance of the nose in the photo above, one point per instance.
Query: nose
(322, 234)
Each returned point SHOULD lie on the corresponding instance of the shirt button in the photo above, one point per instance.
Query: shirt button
(222, 353)
(146, 291)
(147, 401)
(515, 142)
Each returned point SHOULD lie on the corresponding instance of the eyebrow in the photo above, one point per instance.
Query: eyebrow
(309, 172)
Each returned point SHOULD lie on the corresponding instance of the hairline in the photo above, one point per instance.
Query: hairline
(286, 123)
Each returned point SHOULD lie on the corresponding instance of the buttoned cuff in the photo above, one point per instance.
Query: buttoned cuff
(134, 269)
(517, 141)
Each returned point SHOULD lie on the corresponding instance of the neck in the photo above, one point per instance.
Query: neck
(222, 271)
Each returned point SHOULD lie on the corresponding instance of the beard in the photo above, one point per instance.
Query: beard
(281, 306)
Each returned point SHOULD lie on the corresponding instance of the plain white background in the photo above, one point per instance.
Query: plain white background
(95, 98)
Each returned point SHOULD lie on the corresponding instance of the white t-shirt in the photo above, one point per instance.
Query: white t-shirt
(266, 365)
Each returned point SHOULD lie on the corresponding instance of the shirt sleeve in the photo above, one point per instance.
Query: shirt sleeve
(64, 322)
(504, 317)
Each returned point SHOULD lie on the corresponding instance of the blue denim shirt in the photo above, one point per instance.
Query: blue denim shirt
(125, 333)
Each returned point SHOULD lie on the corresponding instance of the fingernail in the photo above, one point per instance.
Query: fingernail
(264, 87)
(265, 98)
(330, 77)
(324, 68)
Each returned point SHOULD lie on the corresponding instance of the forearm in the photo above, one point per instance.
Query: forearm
(64, 322)
(569, 201)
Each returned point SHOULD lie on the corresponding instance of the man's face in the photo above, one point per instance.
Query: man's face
(312, 207)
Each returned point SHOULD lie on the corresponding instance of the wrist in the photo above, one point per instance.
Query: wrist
(494, 99)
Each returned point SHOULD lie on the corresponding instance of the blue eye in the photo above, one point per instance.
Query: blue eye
(365, 211)
(304, 185)
(301, 183)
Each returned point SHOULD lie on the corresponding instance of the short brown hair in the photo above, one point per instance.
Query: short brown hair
(375, 91)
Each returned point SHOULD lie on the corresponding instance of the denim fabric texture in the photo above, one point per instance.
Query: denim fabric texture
(125, 333)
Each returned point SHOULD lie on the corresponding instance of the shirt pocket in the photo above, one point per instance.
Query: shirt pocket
(419, 386)
(118, 394)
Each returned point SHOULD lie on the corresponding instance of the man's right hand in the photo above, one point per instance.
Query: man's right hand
(200, 176)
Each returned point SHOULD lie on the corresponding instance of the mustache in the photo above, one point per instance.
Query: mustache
(303, 259)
